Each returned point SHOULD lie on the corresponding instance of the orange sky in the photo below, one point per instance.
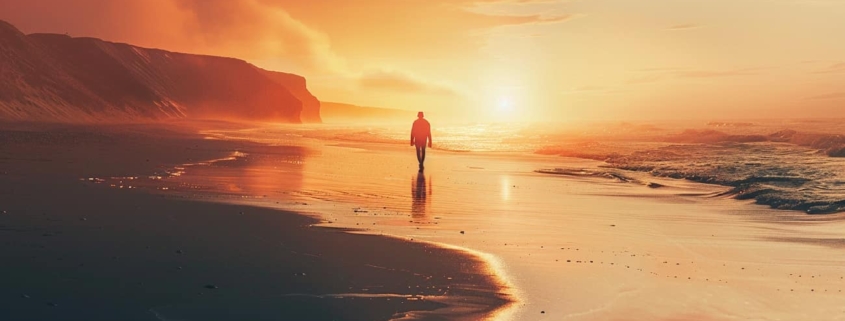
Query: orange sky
(505, 59)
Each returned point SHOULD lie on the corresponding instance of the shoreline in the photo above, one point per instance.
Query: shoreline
(155, 244)
(598, 249)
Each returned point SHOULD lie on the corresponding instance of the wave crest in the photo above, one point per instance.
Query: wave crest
(786, 169)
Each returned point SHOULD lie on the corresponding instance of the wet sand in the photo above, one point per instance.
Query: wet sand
(76, 249)
(569, 247)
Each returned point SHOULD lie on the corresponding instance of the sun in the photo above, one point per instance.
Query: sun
(505, 105)
(504, 108)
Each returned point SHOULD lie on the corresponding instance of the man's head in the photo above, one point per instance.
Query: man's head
(420, 115)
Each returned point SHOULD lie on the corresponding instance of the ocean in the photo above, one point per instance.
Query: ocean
(785, 164)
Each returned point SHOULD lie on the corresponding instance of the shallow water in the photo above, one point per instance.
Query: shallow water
(783, 164)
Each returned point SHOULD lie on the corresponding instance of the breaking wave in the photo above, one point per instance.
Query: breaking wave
(786, 169)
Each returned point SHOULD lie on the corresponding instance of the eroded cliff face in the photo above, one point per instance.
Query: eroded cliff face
(296, 85)
(49, 77)
(34, 86)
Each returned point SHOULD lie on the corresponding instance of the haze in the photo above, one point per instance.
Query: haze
(507, 59)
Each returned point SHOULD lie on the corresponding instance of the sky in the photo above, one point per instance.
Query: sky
(505, 60)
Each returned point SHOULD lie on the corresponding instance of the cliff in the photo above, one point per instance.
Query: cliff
(296, 85)
(50, 77)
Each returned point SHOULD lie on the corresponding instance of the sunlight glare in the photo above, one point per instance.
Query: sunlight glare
(506, 188)
(505, 105)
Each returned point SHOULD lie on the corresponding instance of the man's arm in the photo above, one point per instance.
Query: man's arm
(412, 134)
(429, 137)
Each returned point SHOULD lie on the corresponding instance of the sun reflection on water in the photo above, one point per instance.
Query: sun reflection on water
(505, 183)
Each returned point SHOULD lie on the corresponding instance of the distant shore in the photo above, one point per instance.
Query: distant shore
(76, 250)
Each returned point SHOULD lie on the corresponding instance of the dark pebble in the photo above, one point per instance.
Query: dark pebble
(211, 286)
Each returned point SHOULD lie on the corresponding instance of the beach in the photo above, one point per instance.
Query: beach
(446, 160)
(73, 249)
(488, 228)
(661, 248)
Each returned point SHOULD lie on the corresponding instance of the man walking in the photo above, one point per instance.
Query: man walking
(420, 134)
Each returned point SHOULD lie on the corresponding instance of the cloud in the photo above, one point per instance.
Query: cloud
(686, 26)
(660, 69)
(520, 12)
(247, 29)
(519, 1)
(657, 74)
(832, 69)
(830, 96)
(644, 79)
(252, 29)
(715, 73)
(535, 19)
(401, 82)
(817, 2)
(591, 90)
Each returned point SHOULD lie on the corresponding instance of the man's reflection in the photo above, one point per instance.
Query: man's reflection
(421, 193)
